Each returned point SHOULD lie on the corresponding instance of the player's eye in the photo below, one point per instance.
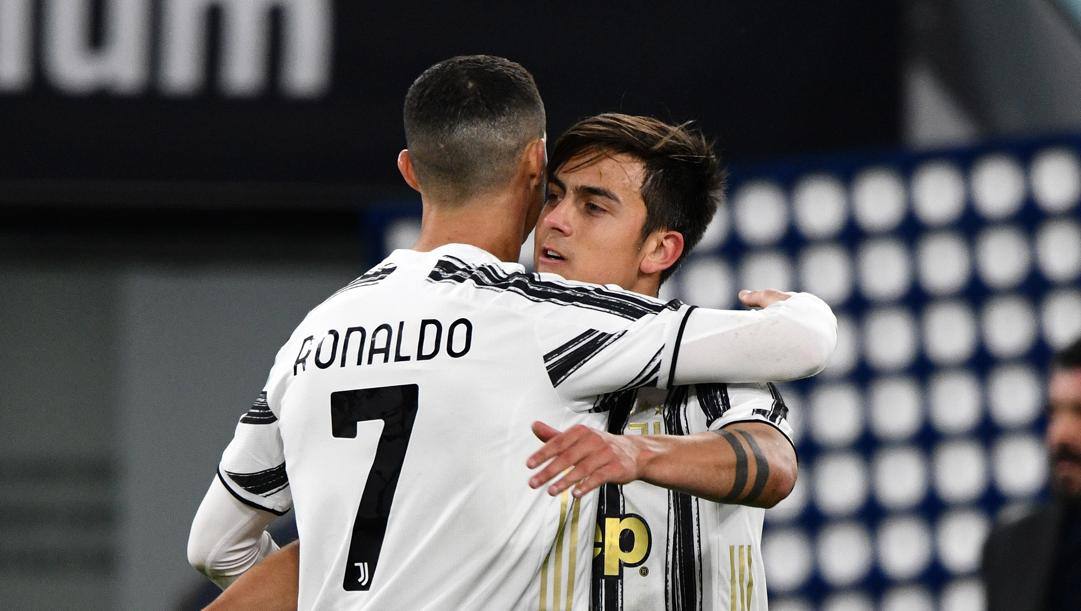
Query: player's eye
(551, 197)
(592, 208)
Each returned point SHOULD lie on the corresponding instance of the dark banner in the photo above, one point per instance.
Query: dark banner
(304, 93)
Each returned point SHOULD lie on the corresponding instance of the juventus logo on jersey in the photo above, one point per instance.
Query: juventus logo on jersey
(364, 576)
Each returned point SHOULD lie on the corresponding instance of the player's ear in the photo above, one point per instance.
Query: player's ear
(409, 173)
(662, 249)
(536, 162)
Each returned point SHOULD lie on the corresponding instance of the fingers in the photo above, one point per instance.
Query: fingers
(570, 456)
(602, 475)
(763, 298)
(587, 467)
(581, 457)
(543, 431)
(554, 444)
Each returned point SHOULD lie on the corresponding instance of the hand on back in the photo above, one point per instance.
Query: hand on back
(586, 458)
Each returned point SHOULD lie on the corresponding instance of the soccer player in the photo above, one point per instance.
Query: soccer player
(697, 463)
(396, 417)
(701, 550)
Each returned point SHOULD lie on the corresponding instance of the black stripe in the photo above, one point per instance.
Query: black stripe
(714, 401)
(673, 403)
(369, 278)
(246, 501)
(619, 404)
(566, 347)
(530, 286)
(778, 410)
(648, 375)
(260, 412)
(625, 304)
(675, 350)
(607, 592)
(572, 359)
(775, 425)
(263, 483)
(741, 467)
(698, 552)
(683, 559)
(622, 404)
(651, 379)
(761, 466)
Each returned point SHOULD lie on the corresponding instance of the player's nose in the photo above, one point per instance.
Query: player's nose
(556, 218)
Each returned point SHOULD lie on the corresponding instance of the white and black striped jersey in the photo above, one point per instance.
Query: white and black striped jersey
(396, 422)
(662, 549)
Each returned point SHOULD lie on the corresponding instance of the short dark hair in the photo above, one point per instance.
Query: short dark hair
(1069, 357)
(684, 179)
(466, 120)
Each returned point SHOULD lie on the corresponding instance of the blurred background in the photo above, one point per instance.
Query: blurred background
(181, 180)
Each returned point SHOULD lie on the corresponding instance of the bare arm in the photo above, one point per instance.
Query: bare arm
(745, 463)
(271, 585)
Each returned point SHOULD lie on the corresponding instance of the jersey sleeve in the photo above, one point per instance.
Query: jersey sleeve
(613, 340)
(252, 466)
(725, 404)
(586, 355)
(788, 340)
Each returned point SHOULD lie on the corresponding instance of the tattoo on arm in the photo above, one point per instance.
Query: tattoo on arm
(761, 466)
(741, 467)
(742, 472)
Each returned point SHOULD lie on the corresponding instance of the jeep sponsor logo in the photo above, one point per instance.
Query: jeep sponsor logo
(624, 541)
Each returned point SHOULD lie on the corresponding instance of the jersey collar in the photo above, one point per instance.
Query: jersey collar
(469, 254)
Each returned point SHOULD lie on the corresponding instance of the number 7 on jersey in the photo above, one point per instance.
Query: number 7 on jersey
(396, 406)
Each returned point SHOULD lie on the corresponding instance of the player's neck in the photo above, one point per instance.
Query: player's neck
(647, 285)
(495, 224)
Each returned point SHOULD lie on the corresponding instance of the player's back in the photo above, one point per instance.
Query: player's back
(396, 421)
(405, 402)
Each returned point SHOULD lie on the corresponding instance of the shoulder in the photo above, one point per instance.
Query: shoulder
(1023, 521)
(548, 289)
(1018, 528)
